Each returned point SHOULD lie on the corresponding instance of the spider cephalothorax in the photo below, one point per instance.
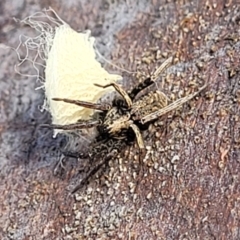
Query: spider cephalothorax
(124, 118)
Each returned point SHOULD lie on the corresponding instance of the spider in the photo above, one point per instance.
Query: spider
(126, 115)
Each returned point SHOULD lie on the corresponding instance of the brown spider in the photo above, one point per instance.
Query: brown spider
(126, 116)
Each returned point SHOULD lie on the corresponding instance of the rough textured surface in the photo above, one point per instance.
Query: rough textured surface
(187, 186)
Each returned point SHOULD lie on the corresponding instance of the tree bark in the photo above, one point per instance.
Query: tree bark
(187, 185)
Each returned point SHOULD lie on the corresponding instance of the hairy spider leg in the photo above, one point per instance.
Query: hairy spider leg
(120, 90)
(79, 125)
(96, 106)
(170, 107)
(73, 126)
(138, 136)
(96, 167)
(150, 80)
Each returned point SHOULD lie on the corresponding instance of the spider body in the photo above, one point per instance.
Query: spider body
(127, 115)
(116, 121)
(122, 121)
(148, 104)
(119, 119)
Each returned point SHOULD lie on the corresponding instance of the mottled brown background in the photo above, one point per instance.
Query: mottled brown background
(190, 183)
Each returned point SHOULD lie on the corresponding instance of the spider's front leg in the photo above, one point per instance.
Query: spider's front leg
(138, 137)
(150, 80)
(120, 90)
(170, 107)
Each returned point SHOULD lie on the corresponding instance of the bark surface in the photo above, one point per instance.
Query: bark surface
(189, 184)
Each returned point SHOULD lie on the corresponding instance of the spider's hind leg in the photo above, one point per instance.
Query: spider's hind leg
(74, 126)
(102, 154)
(96, 106)
(150, 80)
(83, 123)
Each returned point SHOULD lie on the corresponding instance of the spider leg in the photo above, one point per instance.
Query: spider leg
(94, 170)
(120, 90)
(150, 80)
(73, 126)
(99, 161)
(170, 107)
(102, 107)
(138, 136)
